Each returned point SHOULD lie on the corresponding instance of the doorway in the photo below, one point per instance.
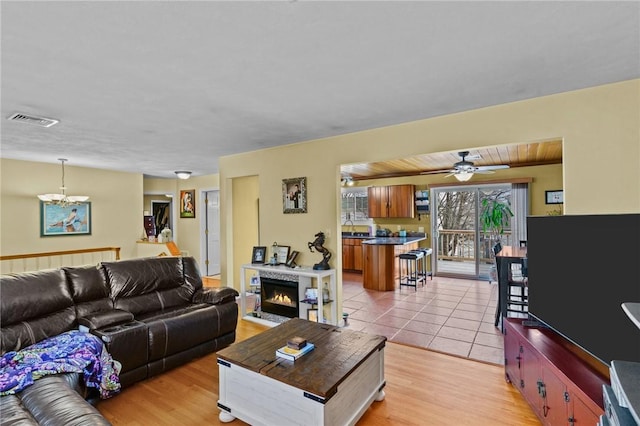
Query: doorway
(461, 249)
(161, 211)
(211, 244)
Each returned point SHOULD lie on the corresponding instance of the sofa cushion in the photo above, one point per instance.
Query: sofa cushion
(51, 401)
(89, 289)
(148, 284)
(14, 413)
(179, 329)
(34, 306)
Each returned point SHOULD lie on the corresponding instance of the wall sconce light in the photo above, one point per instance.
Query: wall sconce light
(183, 174)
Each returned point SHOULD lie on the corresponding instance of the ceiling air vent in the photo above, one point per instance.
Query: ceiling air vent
(38, 121)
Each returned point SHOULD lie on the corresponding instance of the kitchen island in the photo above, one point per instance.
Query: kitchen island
(380, 263)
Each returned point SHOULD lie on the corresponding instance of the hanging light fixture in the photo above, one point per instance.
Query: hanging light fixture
(62, 199)
(183, 174)
(348, 181)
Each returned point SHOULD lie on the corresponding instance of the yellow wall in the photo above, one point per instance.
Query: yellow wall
(599, 126)
(116, 207)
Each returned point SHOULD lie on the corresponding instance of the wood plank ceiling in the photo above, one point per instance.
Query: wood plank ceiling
(517, 155)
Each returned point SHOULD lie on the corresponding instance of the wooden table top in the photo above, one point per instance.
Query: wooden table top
(337, 353)
(512, 251)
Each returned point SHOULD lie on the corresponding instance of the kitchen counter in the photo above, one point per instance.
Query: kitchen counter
(395, 241)
(380, 265)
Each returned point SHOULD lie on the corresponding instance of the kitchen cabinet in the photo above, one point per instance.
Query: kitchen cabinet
(556, 379)
(352, 254)
(391, 201)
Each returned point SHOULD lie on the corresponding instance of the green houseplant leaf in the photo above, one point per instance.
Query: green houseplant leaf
(494, 217)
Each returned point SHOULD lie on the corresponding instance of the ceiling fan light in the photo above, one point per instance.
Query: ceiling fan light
(183, 174)
(463, 176)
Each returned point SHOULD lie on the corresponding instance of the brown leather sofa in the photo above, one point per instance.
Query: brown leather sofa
(153, 314)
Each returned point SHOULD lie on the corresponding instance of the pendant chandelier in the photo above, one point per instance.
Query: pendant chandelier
(62, 199)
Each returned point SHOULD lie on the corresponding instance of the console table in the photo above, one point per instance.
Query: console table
(307, 277)
(561, 383)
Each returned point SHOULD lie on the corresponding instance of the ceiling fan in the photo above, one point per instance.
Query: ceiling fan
(463, 169)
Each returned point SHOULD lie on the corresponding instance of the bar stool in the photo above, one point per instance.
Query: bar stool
(409, 264)
(426, 258)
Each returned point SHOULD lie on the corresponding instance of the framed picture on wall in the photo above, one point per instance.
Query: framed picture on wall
(554, 197)
(188, 203)
(294, 195)
(57, 220)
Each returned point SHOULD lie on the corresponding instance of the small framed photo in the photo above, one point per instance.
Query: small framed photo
(282, 254)
(312, 315)
(311, 294)
(259, 254)
(57, 220)
(188, 203)
(294, 195)
(554, 197)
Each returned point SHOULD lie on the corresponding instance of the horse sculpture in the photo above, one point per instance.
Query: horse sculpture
(317, 244)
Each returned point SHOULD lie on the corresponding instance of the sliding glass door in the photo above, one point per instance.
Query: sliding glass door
(460, 247)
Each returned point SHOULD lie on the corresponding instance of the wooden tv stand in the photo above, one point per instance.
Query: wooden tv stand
(561, 383)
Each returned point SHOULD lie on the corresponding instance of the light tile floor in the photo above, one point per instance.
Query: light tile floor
(454, 316)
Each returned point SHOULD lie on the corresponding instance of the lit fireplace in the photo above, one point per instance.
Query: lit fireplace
(279, 297)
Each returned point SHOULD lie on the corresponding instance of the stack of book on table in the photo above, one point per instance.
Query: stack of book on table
(294, 349)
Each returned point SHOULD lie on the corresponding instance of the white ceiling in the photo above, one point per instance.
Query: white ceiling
(153, 87)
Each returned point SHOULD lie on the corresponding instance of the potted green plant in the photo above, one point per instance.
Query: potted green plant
(494, 217)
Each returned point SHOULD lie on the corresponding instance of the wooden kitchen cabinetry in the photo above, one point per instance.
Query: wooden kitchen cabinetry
(391, 201)
(561, 383)
(352, 254)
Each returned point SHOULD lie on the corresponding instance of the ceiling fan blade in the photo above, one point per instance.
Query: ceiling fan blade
(484, 172)
(436, 172)
(496, 167)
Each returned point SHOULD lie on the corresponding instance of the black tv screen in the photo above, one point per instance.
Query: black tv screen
(581, 269)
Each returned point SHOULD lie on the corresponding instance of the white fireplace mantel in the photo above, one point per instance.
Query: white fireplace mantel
(307, 277)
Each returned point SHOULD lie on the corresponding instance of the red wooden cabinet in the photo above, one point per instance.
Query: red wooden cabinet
(561, 383)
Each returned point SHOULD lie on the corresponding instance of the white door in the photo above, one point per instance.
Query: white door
(211, 263)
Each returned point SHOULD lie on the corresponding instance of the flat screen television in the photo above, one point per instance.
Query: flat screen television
(581, 269)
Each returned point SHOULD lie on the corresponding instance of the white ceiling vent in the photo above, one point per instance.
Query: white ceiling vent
(38, 121)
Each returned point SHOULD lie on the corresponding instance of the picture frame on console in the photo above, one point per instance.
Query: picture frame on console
(58, 220)
(282, 254)
(312, 315)
(259, 254)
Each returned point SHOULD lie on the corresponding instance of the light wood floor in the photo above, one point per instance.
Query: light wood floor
(423, 388)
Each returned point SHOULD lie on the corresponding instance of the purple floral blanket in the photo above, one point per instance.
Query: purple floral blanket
(73, 351)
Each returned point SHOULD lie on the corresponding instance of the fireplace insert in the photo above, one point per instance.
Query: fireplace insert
(279, 297)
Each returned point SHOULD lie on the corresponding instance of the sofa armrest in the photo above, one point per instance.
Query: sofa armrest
(216, 296)
(105, 319)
